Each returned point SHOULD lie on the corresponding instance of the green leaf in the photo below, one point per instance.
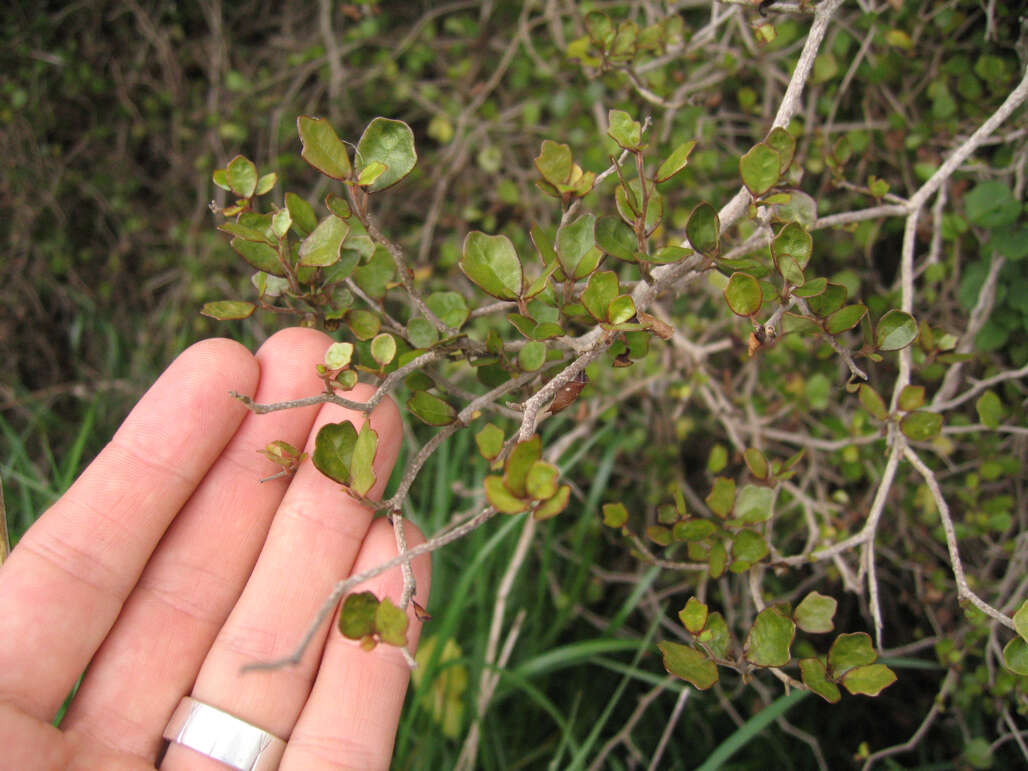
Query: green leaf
(321, 248)
(1021, 620)
(1015, 656)
(322, 148)
(693, 616)
(749, 547)
(363, 324)
(815, 612)
(667, 254)
(259, 255)
(501, 498)
(614, 514)
(520, 461)
(615, 238)
(895, 330)
(760, 168)
(869, 680)
(629, 203)
(793, 241)
(1011, 242)
(703, 229)
(978, 753)
(489, 441)
(811, 288)
(362, 474)
(769, 639)
(624, 130)
(717, 459)
(991, 205)
(756, 463)
(676, 161)
(391, 143)
(555, 505)
(574, 242)
(743, 294)
(554, 162)
(845, 318)
(383, 348)
(784, 143)
(241, 175)
(333, 450)
(532, 356)
(755, 503)
(872, 402)
(848, 651)
(911, 398)
(493, 264)
(693, 530)
(688, 664)
(228, 310)
(302, 214)
(391, 623)
(421, 333)
(266, 182)
(370, 173)
(339, 355)
(450, 307)
(601, 289)
(357, 618)
(281, 222)
(430, 409)
(541, 482)
(814, 676)
(722, 496)
(374, 277)
(715, 636)
(921, 426)
(828, 301)
(621, 309)
(990, 413)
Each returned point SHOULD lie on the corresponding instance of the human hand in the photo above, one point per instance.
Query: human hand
(167, 567)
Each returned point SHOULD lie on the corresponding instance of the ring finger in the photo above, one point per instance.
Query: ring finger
(313, 542)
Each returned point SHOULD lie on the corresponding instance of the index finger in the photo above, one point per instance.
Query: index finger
(64, 584)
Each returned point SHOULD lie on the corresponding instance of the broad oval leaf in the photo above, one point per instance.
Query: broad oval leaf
(228, 310)
(431, 409)
(624, 130)
(693, 616)
(815, 612)
(615, 238)
(383, 348)
(554, 505)
(574, 242)
(391, 623)
(450, 307)
(743, 294)
(869, 680)
(601, 289)
(321, 248)
(769, 639)
(259, 255)
(845, 318)
(704, 229)
(872, 402)
(241, 175)
(532, 356)
(784, 143)
(322, 149)
(492, 263)
(357, 617)
(921, 426)
(501, 498)
(333, 450)
(339, 355)
(1015, 656)
(848, 651)
(489, 441)
(391, 143)
(689, 664)
(895, 330)
(362, 474)
(621, 309)
(519, 462)
(760, 168)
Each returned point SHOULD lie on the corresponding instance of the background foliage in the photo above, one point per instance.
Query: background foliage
(543, 650)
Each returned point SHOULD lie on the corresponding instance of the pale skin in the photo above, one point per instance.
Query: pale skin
(168, 566)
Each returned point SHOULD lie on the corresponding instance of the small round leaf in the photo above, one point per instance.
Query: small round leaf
(743, 294)
(760, 168)
(895, 330)
(493, 264)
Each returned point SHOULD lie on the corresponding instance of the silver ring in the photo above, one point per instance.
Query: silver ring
(224, 737)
